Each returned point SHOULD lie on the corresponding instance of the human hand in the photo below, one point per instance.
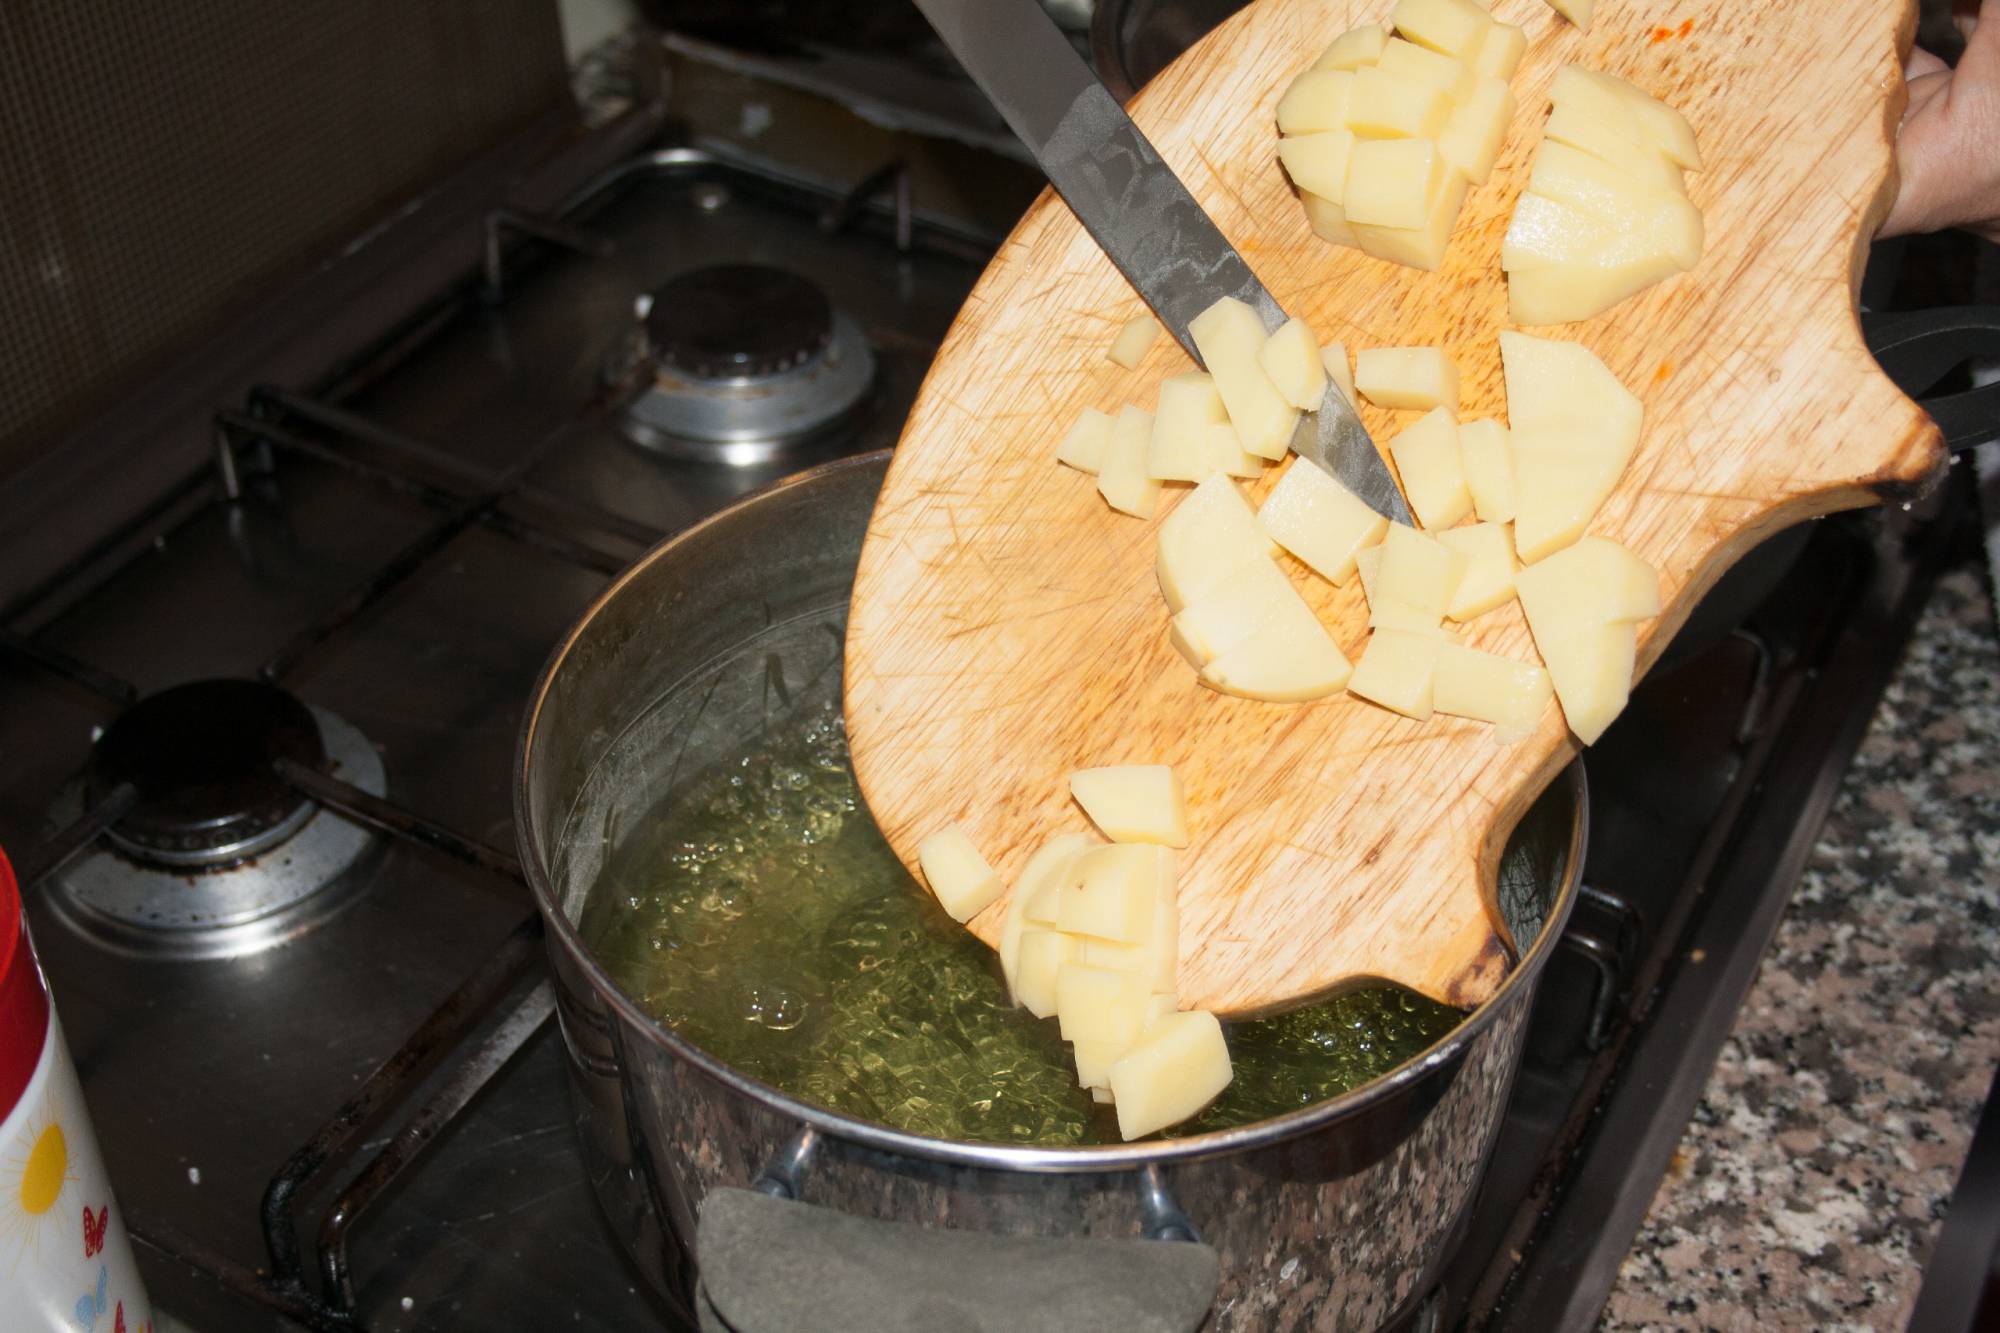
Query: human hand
(1948, 150)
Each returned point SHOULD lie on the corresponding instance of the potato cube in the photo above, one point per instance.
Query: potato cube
(1488, 549)
(1488, 460)
(1572, 125)
(1318, 163)
(1154, 959)
(1178, 449)
(1501, 51)
(1419, 571)
(1083, 447)
(1109, 892)
(1225, 453)
(1587, 286)
(1397, 670)
(1329, 221)
(1041, 955)
(1093, 1063)
(958, 875)
(1592, 671)
(1627, 110)
(1448, 74)
(1122, 480)
(1419, 377)
(1322, 523)
(1511, 695)
(1453, 27)
(1426, 456)
(1470, 143)
(1381, 105)
(1097, 1004)
(1229, 335)
(1290, 358)
(1180, 1065)
(1288, 659)
(1102, 1096)
(1230, 612)
(1133, 802)
(1317, 100)
(1560, 485)
(1385, 614)
(1593, 582)
(1576, 11)
(1553, 381)
(1210, 533)
(1418, 247)
(1033, 903)
(1391, 182)
(1334, 357)
(1543, 232)
(1624, 203)
(1135, 338)
(1354, 48)
(1368, 568)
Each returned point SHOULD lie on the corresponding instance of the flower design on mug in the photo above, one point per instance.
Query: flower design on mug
(35, 1174)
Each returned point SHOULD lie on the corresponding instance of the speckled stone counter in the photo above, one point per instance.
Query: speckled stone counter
(1809, 1187)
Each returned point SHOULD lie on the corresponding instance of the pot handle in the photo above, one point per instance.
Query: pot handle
(770, 1262)
(1917, 348)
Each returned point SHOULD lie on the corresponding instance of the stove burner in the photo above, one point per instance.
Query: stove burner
(218, 858)
(201, 757)
(737, 362)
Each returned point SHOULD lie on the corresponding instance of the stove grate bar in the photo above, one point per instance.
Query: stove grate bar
(350, 801)
(71, 669)
(56, 851)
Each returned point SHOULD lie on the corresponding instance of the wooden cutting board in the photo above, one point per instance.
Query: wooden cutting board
(1006, 627)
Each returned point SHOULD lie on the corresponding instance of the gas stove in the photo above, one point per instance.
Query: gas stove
(259, 746)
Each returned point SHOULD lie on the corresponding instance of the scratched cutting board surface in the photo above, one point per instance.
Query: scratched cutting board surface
(1006, 626)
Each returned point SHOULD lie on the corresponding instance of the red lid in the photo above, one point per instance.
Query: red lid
(24, 996)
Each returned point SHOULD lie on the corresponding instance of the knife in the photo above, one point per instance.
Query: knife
(1134, 206)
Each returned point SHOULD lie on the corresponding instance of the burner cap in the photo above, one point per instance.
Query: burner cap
(738, 321)
(201, 756)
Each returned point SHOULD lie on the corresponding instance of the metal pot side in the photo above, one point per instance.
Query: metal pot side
(1334, 1216)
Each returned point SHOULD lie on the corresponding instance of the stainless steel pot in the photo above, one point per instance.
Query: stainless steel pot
(1334, 1216)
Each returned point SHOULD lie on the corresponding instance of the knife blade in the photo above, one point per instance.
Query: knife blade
(1131, 202)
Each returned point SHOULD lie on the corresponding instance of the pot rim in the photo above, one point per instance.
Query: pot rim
(966, 1152)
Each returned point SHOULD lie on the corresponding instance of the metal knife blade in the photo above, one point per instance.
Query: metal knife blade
(1134, 205)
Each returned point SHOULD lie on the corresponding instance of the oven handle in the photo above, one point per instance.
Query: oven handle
(770, 1261)
(1917, 348)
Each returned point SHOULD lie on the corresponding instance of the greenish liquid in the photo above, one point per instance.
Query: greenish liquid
(759, 913)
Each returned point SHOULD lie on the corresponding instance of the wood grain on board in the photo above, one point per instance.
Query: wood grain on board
(1006, 626)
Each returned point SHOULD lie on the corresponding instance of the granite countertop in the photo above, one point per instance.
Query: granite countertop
(1809, 1187)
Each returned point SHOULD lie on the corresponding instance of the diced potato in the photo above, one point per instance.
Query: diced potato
(1042, 954)
(1488, 549)
(1135, 338)
(1289, 659)
(1549, 380)
(1449, 75)
(1329, 221)
(1160, 1006)
(1511, 695)
(1592, 582)
(1319, 163)
(1025, 910)
(1419, 571)
(1156, 958)
(1576, 11)
(1397, 670)
(1500, 53)
(1488, 460)
(1334, 357)
(1368, 568)
(1354, 48)
(1109, 893)
(1419, 377)
(1083, 447)
(1628, 111)
(1210, 532)
(1179, 1066)
(1559, 489)
(1624, 203)
(1453, 27)
(1317, 100)
(1097, 1004)
(1418, 247)
(1572, 125)
(1133, 802)
(1322, 523)
(1386, 106)
(1587, 285)
(1385, 614)
(1229, 612)
(1546, 232)
(1290, 357)
(958, 875)
(1229, 335)
(1226, 453)
(1179, 448)
(1426, 455)
(1102, 1096)
(1391, 182)
(1122, 479)
(1592, 670)
(1093, 1063)
(1470, 143)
